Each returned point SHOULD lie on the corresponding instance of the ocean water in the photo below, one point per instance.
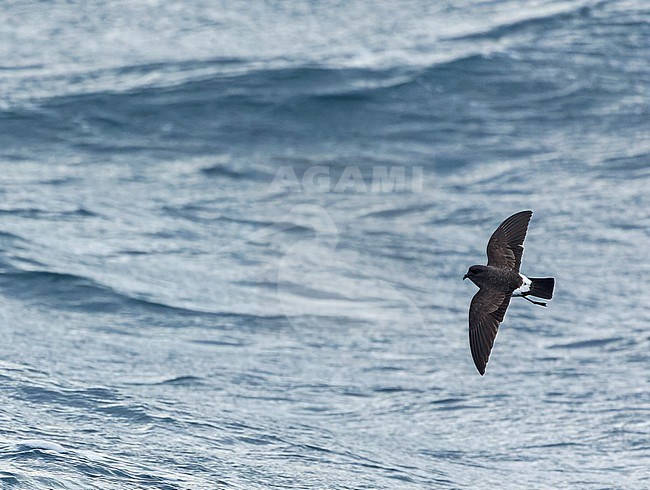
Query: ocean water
(232, 238)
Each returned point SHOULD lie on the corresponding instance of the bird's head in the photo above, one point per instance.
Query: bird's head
(475, 273)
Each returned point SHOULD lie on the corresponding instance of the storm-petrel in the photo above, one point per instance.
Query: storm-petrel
(498, 281)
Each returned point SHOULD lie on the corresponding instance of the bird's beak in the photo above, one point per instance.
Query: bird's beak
(464, 277)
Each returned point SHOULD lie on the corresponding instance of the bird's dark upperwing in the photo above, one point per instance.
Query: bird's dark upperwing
(485, 314)
(506, 245)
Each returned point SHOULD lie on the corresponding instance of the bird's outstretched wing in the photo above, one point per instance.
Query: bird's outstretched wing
(506, 245)
(485, 314)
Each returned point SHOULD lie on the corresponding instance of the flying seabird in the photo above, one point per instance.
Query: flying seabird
(498, 281)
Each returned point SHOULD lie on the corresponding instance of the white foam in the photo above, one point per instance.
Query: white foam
(41, 444)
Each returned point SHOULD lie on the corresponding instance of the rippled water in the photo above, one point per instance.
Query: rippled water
(179, 312)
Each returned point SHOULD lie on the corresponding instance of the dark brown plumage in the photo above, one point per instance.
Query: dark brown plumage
(506, 245)
(498, 282)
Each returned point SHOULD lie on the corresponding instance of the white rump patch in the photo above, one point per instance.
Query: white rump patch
(524, 288)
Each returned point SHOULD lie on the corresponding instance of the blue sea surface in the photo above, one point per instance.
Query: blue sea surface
(232, 238)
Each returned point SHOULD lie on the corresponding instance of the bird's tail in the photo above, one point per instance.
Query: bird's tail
(542, 287)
